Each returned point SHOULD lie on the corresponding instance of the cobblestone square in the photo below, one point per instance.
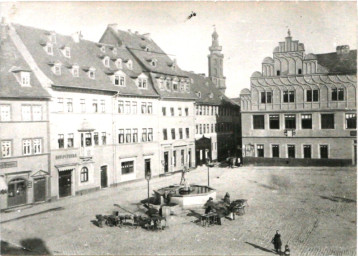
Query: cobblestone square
(314, 209)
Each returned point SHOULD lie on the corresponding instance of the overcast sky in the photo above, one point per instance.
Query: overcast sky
(248, 31)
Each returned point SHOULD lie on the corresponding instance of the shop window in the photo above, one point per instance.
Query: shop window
(323, 149)
(275, 151)
(260, 150)
(291, 151)
(84, 174)
(306, 151)
(127, 167)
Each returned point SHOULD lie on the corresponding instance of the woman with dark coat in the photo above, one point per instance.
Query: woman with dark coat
(277, 243)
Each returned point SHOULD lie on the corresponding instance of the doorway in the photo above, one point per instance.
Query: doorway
(64, 182)
(166, 161)
(104, 178)
(40, 189)
(17, 190)
(146, 167)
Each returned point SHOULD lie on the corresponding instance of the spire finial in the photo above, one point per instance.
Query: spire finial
(289, 32)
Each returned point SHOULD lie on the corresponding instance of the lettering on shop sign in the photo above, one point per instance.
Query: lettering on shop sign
(66, 156)
(8, 164)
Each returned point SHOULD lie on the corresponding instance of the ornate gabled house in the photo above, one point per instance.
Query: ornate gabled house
(301, 109)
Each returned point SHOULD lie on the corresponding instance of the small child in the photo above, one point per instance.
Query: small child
(287, 250)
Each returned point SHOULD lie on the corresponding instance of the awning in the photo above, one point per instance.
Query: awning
(3, 185)
(66, 167)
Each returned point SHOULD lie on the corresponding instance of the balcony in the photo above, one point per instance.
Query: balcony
(86, 152)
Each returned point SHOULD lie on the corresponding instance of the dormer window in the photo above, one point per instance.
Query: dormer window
(182, 86)
(187, 86)
(49, 48)
(142, 82)
(153, 63)
(119, 79)
(161, 83)
(146, 49)
(103, 48)
(91, 73)
(118, 63)
(75, 71)
(67, 52)
(130, 64)
(57, 69)
(106, 61)
(25, 79)
(167, 83)
(175, 84)
(198, 94)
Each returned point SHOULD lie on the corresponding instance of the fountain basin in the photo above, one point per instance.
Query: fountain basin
(196, 196)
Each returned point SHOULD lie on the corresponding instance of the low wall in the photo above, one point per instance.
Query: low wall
(262, 161)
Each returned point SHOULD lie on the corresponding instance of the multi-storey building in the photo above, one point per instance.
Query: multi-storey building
(301, 109)
(24, 130)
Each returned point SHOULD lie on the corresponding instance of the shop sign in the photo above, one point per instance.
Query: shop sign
(66, 156)
(11, 164)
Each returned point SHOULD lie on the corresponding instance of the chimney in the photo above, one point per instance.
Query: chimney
(77, 36)
(4, 29)
(114, 26)
(342, 49)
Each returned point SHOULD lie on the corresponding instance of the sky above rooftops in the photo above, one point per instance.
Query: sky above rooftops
(248, 31)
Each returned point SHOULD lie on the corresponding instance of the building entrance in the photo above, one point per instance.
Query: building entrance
(166, 161)
(40, 189)
(17, 189)
(104, 178)
(64, 182)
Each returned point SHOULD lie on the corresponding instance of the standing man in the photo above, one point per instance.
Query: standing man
(277, 243)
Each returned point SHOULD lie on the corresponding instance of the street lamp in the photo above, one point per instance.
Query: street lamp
(148, 176)
(209, 164)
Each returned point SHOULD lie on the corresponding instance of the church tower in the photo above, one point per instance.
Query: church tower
(216, 63)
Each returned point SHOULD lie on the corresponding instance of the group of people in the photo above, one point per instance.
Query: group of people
(277, 243)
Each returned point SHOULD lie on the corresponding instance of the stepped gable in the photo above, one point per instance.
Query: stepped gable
(86, 54)
(11, 63)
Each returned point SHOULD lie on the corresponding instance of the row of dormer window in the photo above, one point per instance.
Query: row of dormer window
(118, 63)
(337, 94)
(174, 84)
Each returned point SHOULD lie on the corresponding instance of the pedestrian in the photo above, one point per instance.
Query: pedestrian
(287, 250)
(227, 198)
(209, 205)
(277, 243)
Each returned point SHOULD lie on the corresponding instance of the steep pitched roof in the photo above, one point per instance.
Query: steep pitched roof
(85, 54)
(12, 62)
(339, 63)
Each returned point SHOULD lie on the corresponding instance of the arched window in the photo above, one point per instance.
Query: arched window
(84, 174)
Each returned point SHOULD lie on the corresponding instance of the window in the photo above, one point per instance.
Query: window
(259, 122)
(197, 129)
(172, 111)
(187, 111)
(67, 52)
(150, 108)
(120, 107)
(168, 84)
(91, 74)
(187, 133)
(291, 151)
(37, 146)
(6, 149)
(144, 134)
(181, 133)
(182, 157)
(306, 121)
(290, 121)
(165, 134)
(37, 113)
(274, 122)
(164, 111)
(173, 134)
(288, 96)
(200, 129)
(323, 149)
(5, 113)
(135, 135)
(88, 140)
(142, 83)
(275, 151)
(212, 128)
(119, 80)
(266, 97)
(106, 61)
(95, 106)
(299, 71)
(26, 147)
(83, 105)
(49, 49)
(144, 107)
(278, 72)
(104, 138)
(179, 112)
(60, 104)
(127, 167)
(128, 107)
(175, 85)
(327, 121)
(150, 134)
(134, 107)
(96, 138)
(351, 121)
(121, 136)
(26, 112)
(128, 136)
(103, 106)
(338, 94)
(61, 141)
(103, 48)
(174, 157)
(57, 69)
(306, 151)
(260, 150)
(25, 78)
(75, 71)
(312, 95)
(69, 105)
(84, 174)
(70, 140)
